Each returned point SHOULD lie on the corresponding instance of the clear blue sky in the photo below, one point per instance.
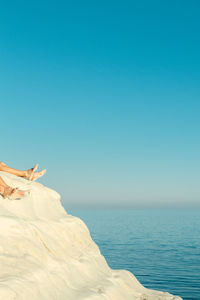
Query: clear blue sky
(106, 96)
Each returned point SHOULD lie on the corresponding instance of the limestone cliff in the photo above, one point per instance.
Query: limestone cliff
(47, 254)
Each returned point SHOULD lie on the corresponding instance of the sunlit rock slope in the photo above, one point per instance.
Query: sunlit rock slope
(47, 254)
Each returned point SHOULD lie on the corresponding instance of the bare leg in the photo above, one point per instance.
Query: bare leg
(7, 191)
(5, 168)
(27, 174)
(3, 185)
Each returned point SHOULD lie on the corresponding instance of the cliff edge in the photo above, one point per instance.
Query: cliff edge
(47, 254)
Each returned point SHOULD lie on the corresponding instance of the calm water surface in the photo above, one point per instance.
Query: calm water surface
(160, 247)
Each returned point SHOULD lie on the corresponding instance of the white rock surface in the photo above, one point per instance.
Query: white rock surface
(47, 254)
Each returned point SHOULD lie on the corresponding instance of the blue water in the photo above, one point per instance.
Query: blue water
(160, 247)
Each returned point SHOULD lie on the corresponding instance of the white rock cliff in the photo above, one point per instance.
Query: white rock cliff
(47, 254)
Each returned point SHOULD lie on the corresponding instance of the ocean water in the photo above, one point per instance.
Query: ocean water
(160, 247)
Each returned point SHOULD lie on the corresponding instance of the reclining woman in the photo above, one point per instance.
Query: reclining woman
(14, 193)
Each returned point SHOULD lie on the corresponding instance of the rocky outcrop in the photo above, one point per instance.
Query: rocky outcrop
(47, 254)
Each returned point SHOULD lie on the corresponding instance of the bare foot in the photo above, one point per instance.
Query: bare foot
(15, 193)
(37, 175)
(30, 172)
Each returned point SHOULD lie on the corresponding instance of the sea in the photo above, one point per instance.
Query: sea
(160, 247)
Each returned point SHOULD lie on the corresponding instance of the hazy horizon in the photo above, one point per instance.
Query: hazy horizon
(132, 205)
